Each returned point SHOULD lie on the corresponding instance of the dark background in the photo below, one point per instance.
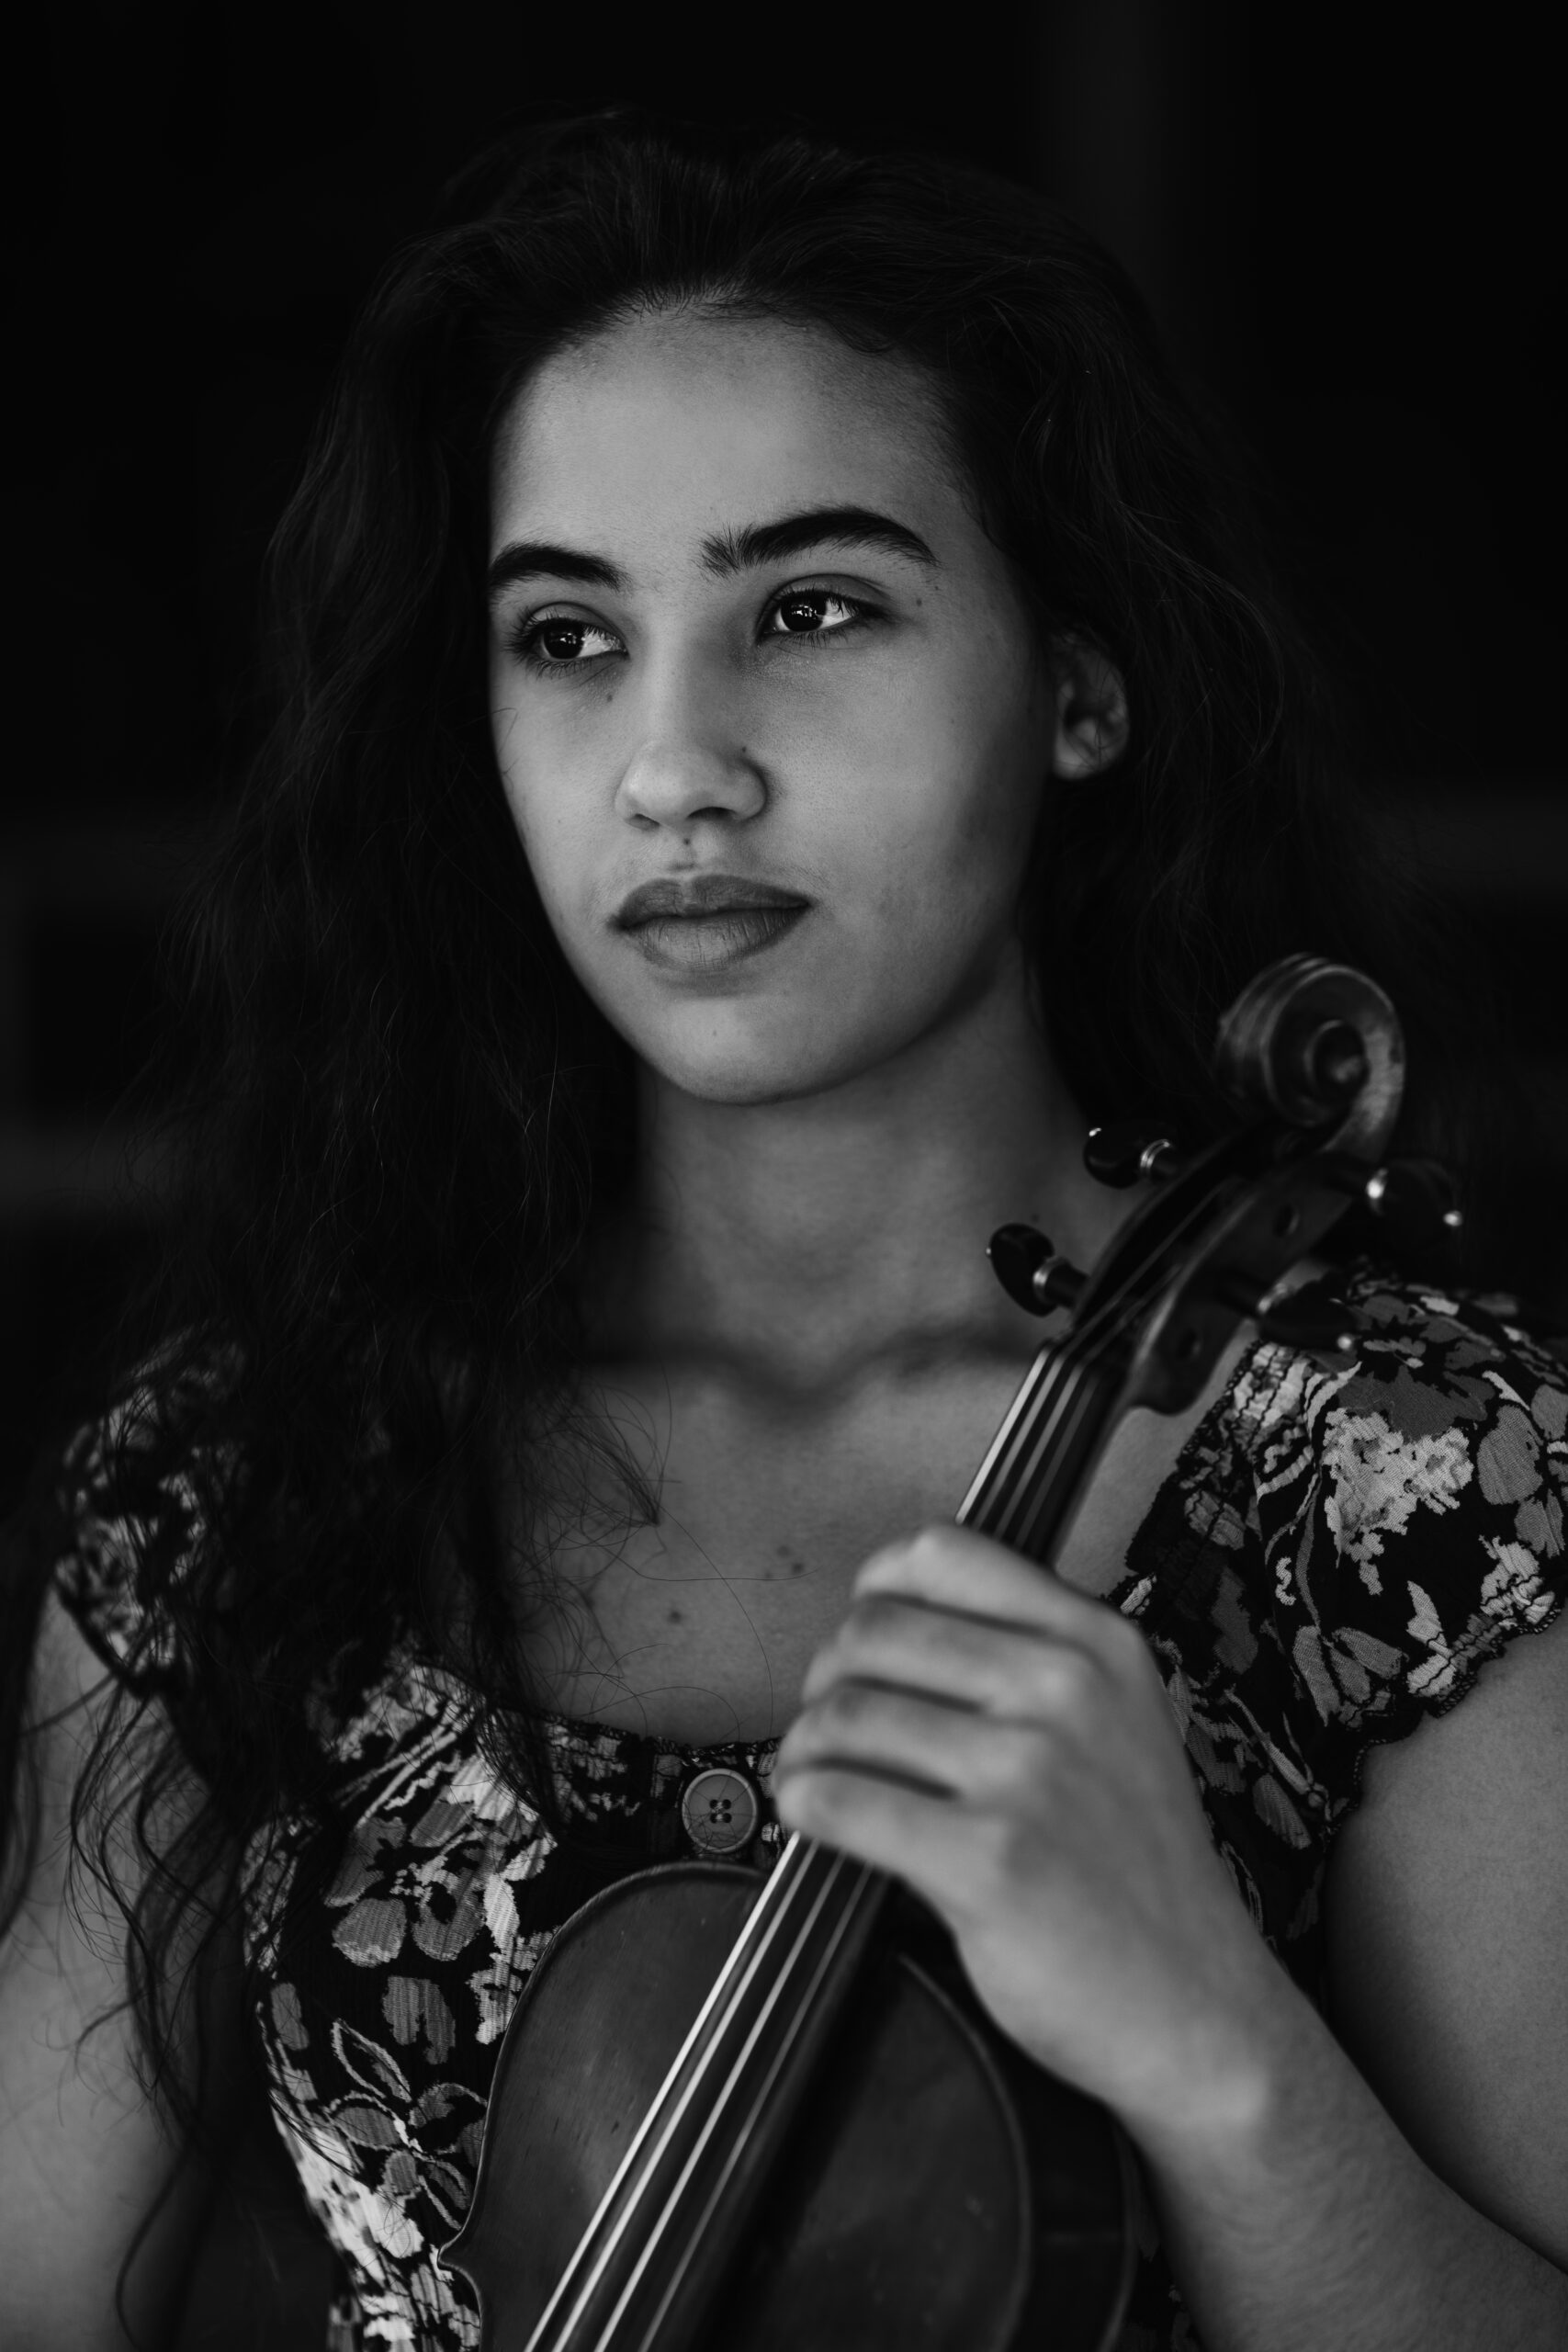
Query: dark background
(1344, 231)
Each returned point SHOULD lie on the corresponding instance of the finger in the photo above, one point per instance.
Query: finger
(953, 1749)
(951, 1854)
(953, 1567)
(1005, 1669)
(914, 1833)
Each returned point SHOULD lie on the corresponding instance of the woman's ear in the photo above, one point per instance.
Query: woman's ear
(1091, 709)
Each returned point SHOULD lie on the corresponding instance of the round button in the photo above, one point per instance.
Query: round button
(721, 1811)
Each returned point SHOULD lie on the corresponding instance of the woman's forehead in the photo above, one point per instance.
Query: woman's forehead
(681, 414)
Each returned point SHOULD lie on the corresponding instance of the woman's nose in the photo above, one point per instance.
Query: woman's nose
(675, 779)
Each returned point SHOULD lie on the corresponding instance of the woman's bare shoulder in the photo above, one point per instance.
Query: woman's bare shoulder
(83, 2149)
(1447, 1909)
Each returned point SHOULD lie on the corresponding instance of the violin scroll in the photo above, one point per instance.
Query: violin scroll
(1313, 1044)
(1319, 1045)
(1311, 1056)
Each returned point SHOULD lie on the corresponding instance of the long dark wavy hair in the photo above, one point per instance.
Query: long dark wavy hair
(392, 1111)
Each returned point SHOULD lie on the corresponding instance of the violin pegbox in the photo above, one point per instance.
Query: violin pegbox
(1311, 1054)
(1236, 1269)
(1121, 1154)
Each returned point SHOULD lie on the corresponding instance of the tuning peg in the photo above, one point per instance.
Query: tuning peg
(1127, 1150)
(1030, 1270)
(1317, 1326)
(1417, 1197)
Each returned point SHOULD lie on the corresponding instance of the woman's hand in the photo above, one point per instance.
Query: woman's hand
(1005, 1746)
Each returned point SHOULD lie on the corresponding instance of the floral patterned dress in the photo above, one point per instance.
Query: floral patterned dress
(1333, 1557)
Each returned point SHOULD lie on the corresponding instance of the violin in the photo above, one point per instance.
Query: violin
(763, 2115)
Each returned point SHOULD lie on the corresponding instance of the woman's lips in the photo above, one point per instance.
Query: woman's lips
(710, 943)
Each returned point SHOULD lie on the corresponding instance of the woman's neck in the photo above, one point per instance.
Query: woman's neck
(804, 1240)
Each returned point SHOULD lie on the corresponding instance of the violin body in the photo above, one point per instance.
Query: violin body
(938, 2192)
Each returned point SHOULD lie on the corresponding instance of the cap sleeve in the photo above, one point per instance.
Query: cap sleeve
(1411, 1506)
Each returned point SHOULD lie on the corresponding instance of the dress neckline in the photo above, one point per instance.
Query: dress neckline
(1130, 1595)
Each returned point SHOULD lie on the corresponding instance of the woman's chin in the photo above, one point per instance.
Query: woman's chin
(788, 1052)
(751, 1069)
(743, 1083)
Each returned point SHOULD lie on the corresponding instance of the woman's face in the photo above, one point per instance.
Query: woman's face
(770, 719)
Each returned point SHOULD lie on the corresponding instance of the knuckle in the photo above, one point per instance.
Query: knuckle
(876, 1564)
(1125, 1640)
(873, 1617)
(1073, 1684)
(847, 1707)
(997, 1857)
(821, 1802)
(889, 1564)
(1033, 1760)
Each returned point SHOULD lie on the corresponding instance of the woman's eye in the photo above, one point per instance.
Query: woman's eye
(559, 641)
(556, 642)
(816, 613)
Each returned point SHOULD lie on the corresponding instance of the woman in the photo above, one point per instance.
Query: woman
(777, 727)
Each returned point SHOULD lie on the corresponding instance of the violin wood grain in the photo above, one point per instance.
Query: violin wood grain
(911, 2211)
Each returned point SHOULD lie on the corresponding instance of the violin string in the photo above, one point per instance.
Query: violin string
(1030, 1500)
(1052, 1364)
(1004, 1478)
(996, 1516)
(1051, 1427)
(1033, 1421)
(734, 2086)
(674, 2101)
(747, 1947)
(1043, 1367)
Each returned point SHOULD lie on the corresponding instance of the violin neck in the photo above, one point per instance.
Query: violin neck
(1027, 1491)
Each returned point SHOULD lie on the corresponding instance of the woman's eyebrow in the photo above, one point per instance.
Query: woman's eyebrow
(817, 526)
(724, 552)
